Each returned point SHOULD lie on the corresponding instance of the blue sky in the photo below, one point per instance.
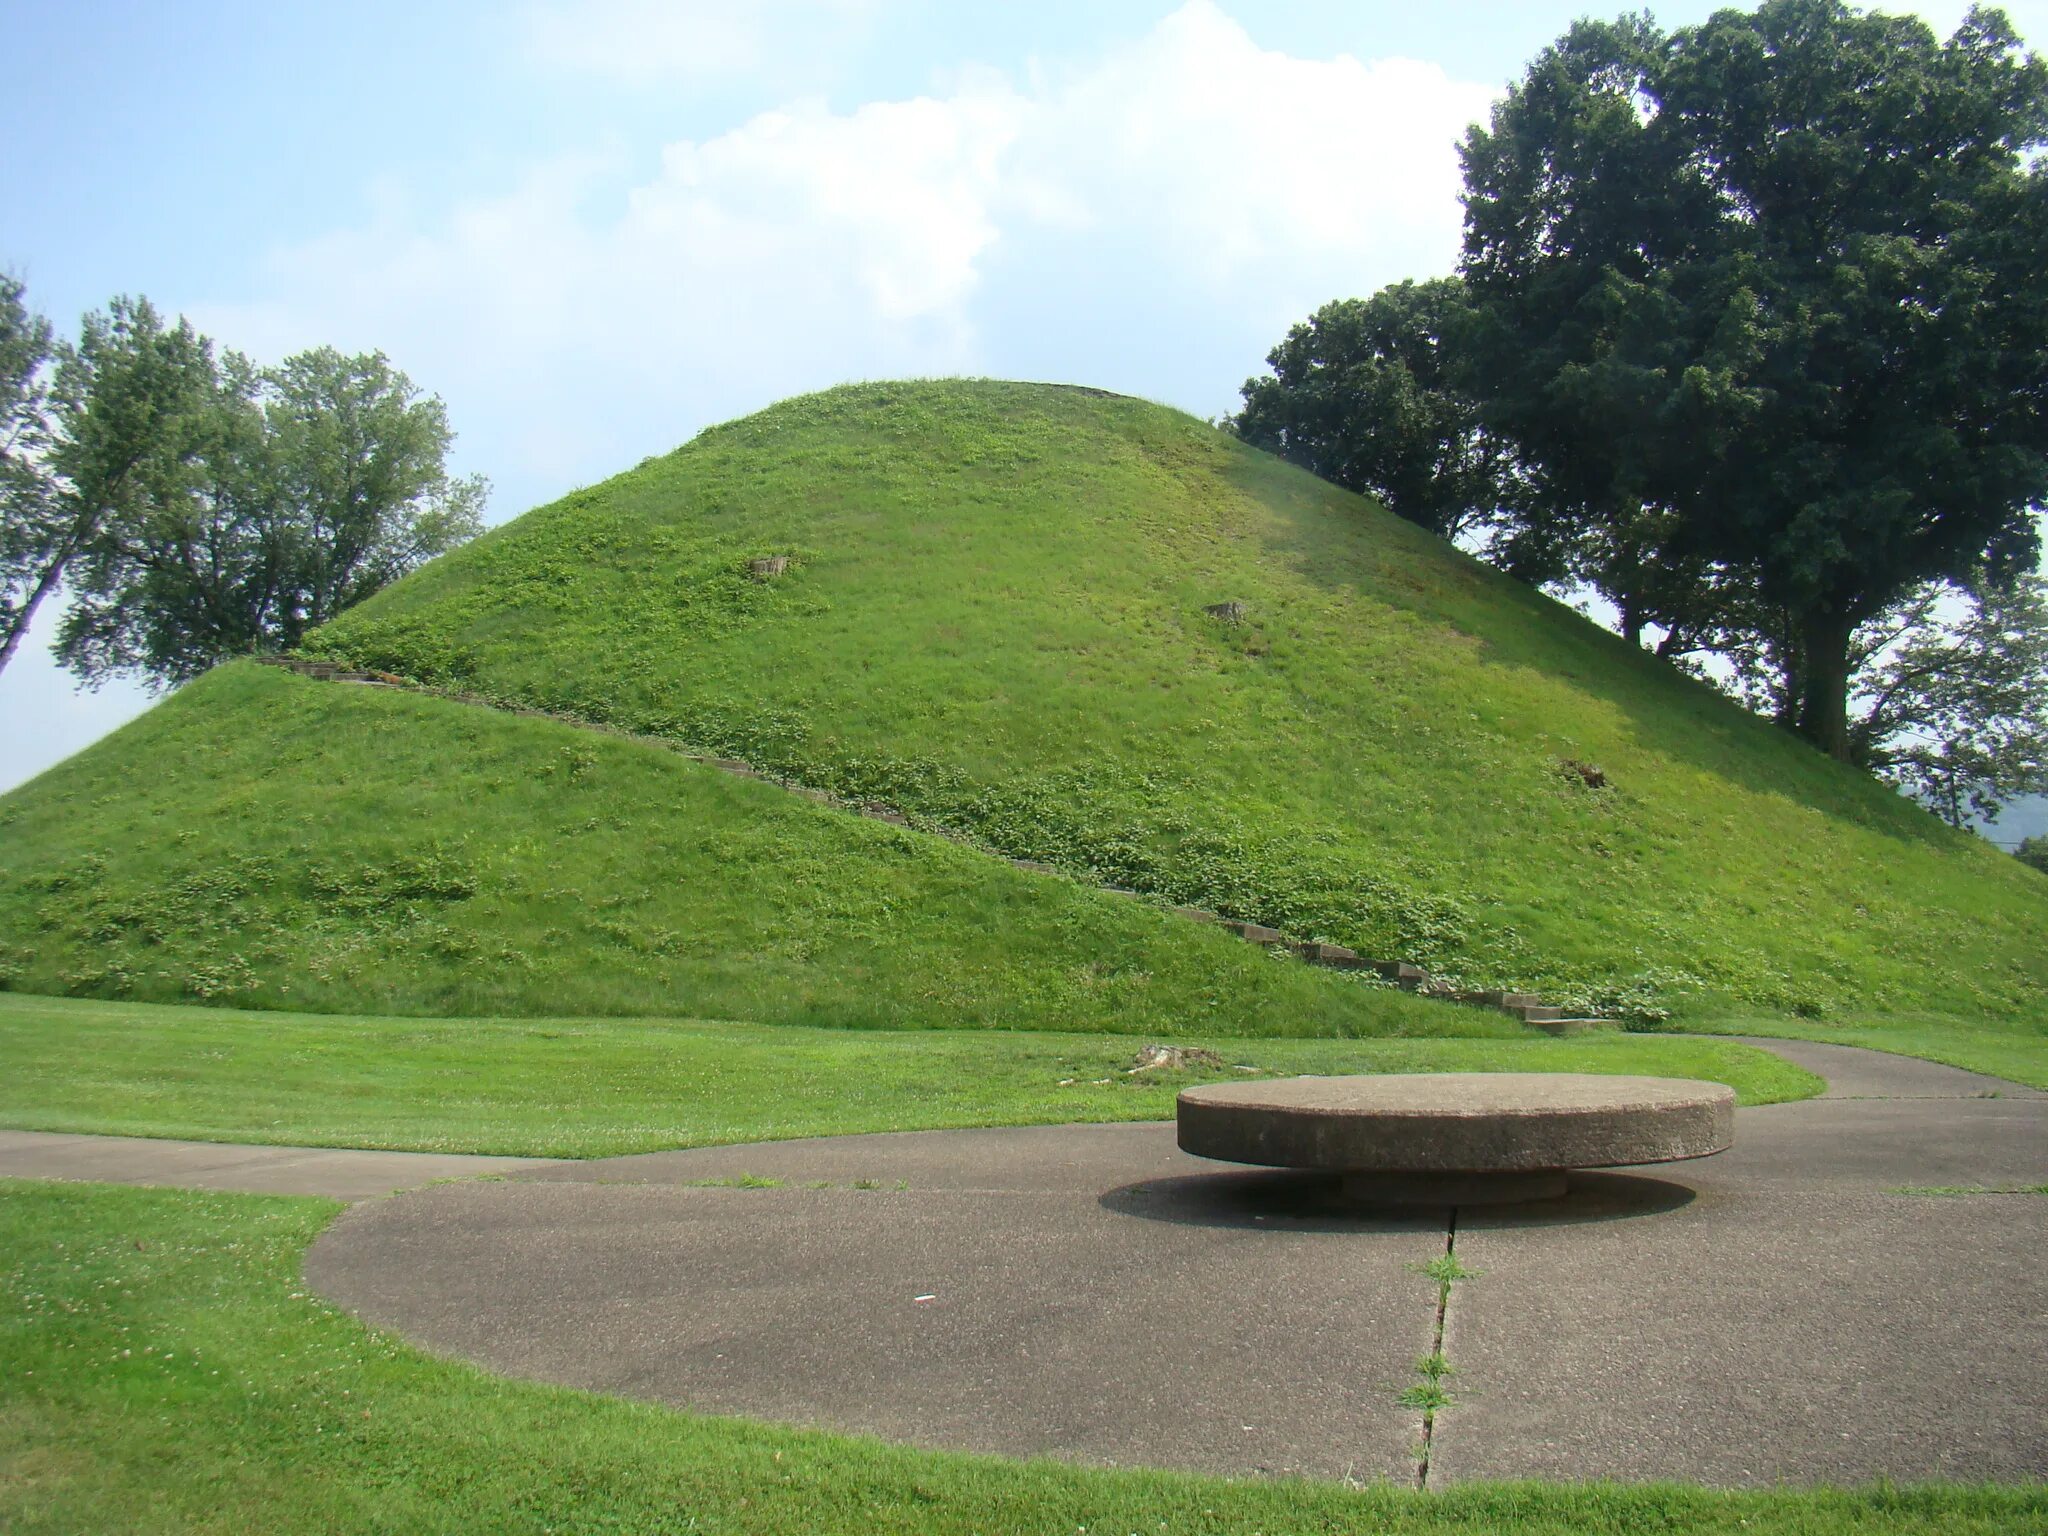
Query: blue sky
(594, 229)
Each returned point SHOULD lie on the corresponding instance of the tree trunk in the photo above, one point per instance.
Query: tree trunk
(1824, 685)
(18, 629)
(1630, 622)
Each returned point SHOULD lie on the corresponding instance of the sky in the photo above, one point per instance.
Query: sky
(596, 228)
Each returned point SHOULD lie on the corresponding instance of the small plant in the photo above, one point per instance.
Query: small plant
(1434, 1367)
(1429, 1396)
(1445, 1269)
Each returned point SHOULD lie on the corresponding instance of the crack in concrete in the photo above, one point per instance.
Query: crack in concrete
(1436, 1347)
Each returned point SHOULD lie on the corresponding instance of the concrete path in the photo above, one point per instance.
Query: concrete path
(1854, 1073)
(1812, 1306)
(335, 1172)
(1787, 1311)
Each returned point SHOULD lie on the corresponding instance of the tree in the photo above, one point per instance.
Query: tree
(2033, 852)
(193, 571)
(1956, 712)
(30, 520)
(1777, 275)
(114, 440)
(360, 461)
(1364, 394)
(297, 492)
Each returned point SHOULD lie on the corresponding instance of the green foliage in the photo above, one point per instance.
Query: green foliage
(1365, 394)
(994, 622)
(1958, 712)
(1776, 276)
(163, 1369)
(31, 523)
(2033, 852)
(289, 494)
(111, 433)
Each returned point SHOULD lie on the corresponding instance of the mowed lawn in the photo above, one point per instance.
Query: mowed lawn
(162, 1369)
(595, 1087)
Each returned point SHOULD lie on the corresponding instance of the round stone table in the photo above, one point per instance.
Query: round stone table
(1453, 1138)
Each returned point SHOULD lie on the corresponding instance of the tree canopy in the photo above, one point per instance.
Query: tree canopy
(1777, 278)
(195, 507)
(1364, 394)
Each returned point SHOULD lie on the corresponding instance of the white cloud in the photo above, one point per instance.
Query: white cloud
(1148, 219)
(1250, 171)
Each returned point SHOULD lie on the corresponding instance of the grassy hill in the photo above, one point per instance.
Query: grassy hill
(267, 841)
(994, 617)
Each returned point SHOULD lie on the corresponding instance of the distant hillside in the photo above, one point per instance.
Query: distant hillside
(2023, 818)
(1009, 608)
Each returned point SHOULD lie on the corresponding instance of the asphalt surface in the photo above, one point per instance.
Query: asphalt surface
(1787, 1311)
(1819, 1304)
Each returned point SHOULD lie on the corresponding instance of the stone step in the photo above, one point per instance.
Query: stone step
(1496, 999)
(1534, 1013)
(1576, 1026)
(1254, 933)
(1401, 973)
(1195, 914)
(1334, 955)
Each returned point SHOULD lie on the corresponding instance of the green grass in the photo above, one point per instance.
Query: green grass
(993, 618)
(596, 1087)
(2012, 1048)
(162, 1370)
(272, 842)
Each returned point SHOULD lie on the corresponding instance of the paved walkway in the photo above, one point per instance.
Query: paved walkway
(1791, 1310)
(336, 1172)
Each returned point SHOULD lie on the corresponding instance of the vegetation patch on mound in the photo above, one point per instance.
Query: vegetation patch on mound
(1008, 609)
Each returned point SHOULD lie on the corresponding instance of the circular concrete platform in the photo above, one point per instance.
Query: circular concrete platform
(1459, 1137)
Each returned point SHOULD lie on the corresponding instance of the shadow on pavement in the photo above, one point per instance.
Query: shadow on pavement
(1314, 1202)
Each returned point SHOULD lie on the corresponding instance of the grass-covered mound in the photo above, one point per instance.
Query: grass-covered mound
(994, 615)
(268, 841)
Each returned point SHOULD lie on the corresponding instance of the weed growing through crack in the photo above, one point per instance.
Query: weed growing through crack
(1427, 1395)
(1431, 1394)
(1445, 1270)
(1434, 1367)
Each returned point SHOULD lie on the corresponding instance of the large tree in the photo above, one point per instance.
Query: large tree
(299, 490)
(1778, 275)
(103, 439)
(1364, 394)
(27, 488)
